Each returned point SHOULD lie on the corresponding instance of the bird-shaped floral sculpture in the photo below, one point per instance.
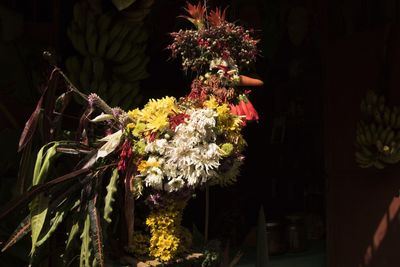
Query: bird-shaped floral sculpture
(153, 157)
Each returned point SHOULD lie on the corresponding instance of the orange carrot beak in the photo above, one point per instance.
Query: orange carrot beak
(248, 81)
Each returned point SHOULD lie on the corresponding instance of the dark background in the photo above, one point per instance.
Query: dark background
(318, 58)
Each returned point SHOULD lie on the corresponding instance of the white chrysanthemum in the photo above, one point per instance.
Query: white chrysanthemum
(157, 146)
(190, 157)
(174, 185)
(154, 177)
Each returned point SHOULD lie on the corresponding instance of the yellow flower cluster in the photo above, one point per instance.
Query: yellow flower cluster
(168, 237)
(228, 124)
(154, 115)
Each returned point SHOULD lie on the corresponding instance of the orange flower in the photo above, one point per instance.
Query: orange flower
(197, 13)
(216, 17)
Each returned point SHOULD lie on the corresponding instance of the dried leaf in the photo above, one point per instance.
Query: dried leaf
(102, 117)
(23, 228)
(30, 126)
(112, 140)
(111, 189)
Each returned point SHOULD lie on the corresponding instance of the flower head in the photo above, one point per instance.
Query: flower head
(197, 14)
(216, 17)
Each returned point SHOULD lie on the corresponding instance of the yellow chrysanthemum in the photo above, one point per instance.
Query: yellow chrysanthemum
(158, 123)
(144, 165)
(168, 237)
(211, 103)
(134, 113)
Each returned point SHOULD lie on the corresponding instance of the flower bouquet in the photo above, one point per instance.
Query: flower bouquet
(153, 157)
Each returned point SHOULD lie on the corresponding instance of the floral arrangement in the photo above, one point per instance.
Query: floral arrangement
(157, 155)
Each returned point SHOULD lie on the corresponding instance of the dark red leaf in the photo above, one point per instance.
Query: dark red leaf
(23, 228)
(30, 126)
(96, 232)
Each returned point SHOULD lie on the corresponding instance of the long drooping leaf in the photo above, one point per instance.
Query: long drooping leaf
(35, 190)
(96, 233)
(48, 106)
(30, 126)
(39, 205)
(25, 169)
(84, 260)
(55, 222)
(111, 189)
(23, 228)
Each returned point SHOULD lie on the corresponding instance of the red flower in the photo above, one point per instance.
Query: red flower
(244, 109)
(177, 119)
(216, 17)
(125, 155)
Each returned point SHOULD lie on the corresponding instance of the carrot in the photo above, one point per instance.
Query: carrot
(247, 81)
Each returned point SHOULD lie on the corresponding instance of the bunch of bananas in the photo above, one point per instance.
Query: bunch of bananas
(378, 134)
(111, 58)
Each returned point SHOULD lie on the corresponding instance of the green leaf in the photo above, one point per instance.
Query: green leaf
(84, 260)
(111, 189)
(72, 233)
(39, 205)
(122, 4)
(55, 222)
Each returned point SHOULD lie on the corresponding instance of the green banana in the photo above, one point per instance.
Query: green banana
(115, 30)
(98, 68)
(389, 137)
(113, 49)
(131, 65)
(77, 41)
(123, 52)
(386, 116)
(103, 23)
(102, 44)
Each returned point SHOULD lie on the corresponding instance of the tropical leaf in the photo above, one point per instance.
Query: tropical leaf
(111, 189)
(30, 126)
(23, 228)
(122, 4)
(96, 233)
(56, 220)
(39, 205)
(84, 260)
(72, 233)
(35, 190)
